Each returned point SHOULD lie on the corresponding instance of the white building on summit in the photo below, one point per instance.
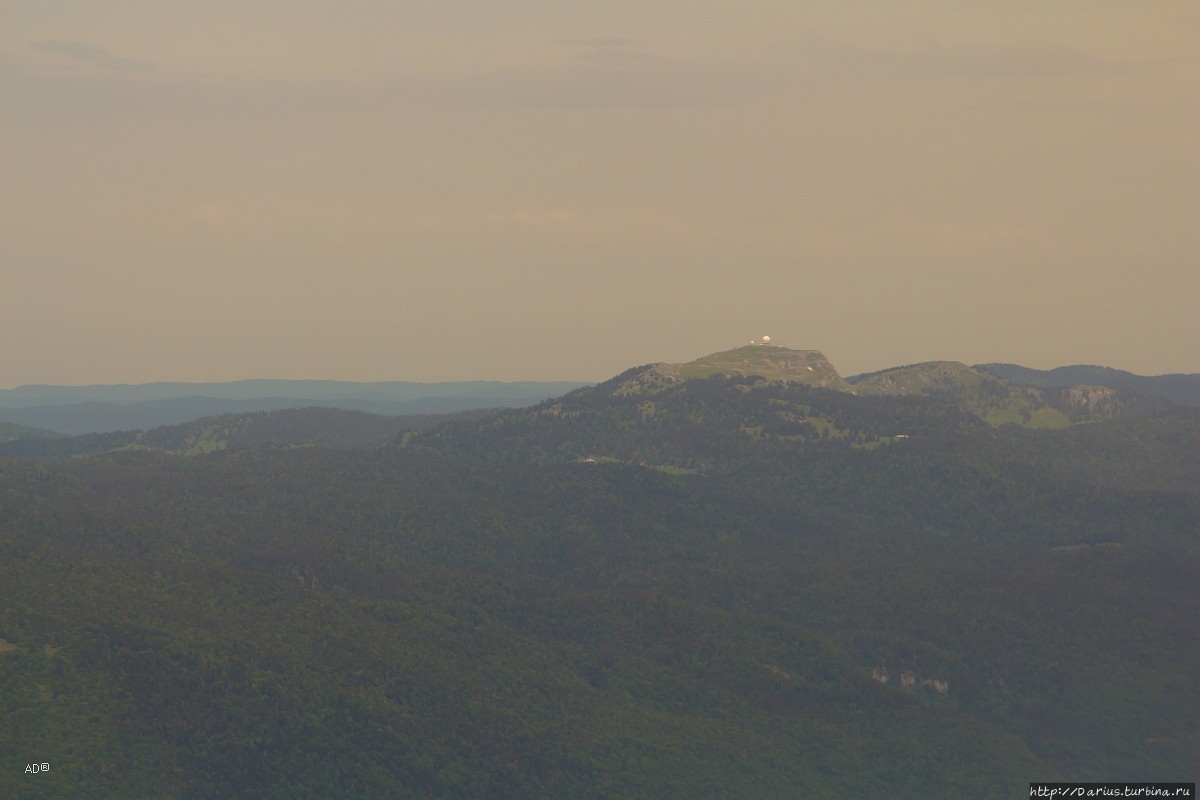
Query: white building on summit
(763, 340)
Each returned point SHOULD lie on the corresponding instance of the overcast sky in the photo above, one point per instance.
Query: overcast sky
(541, 189)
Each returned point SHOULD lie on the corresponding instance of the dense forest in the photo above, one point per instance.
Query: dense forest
(712, 588)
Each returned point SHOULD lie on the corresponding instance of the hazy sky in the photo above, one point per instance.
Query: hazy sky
(538, 189)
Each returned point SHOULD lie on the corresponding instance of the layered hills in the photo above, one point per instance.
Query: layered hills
(108, 408)
(291, 427)
(1000, 393)
(770, 372)
(733, 578)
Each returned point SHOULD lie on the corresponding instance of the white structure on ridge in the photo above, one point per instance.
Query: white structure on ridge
(763, 340)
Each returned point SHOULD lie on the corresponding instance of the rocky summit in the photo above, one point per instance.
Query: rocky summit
(773, 363)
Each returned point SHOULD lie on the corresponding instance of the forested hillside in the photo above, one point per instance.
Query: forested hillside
(292, 427)
(713, 587)
(1181, 389)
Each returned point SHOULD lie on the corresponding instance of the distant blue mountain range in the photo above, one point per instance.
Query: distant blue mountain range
(106, 408)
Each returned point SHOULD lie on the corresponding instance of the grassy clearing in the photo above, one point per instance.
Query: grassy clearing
(1023, 413)
(670, 470)
(209, 441)
(1048, 418)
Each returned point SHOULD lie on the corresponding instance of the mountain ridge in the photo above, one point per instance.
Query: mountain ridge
(989, 396)
(1000, 393)
(999, 401)
(1180, 388)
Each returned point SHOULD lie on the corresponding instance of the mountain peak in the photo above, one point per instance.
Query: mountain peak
(769, 361)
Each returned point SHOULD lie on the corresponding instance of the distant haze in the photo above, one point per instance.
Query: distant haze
(536, 190)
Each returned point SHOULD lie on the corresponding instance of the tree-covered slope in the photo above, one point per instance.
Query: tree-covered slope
(752, 589)
(696, 424)
(293, 427)
(1181, 389)
(10, 432)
